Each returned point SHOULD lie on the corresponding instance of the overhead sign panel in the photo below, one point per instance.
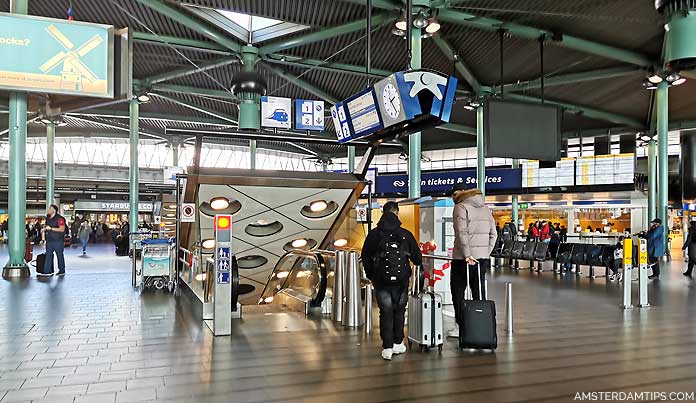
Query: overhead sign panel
(56, 56)
(276, 112)
(438, 182)
(403, 103)
(309, 115)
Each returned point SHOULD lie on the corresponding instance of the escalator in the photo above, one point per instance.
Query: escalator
(302, 278)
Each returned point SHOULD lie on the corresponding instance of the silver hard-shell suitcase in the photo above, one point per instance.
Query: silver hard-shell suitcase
(425, 320)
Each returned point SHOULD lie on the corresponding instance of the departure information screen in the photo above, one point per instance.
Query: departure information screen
(363, 114)
(585, 171)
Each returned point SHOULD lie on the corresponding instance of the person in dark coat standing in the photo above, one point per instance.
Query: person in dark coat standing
(385, 256)
(690, 244)
(656, 246)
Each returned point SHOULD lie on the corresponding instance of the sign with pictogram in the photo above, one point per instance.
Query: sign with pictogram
(188, 212)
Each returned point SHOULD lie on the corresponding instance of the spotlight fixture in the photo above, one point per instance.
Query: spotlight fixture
(219, 203)
(672, 77)
(45, 120)
(398, 32)
(468, 107)
(143, 98)
(649, 86)
(401, 25)
(655, 78)
(318, 206)
(433, 26)
(282, 274)
(679, 81)
(420, 21)
(339, 243)
(268, 300)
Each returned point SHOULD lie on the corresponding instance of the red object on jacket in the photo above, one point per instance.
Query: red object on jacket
(535, 232)
(545, 232)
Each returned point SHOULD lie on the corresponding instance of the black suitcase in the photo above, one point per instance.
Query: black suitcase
(478, 328)
(41, 263)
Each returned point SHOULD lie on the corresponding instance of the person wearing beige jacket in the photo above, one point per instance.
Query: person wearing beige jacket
(474, 239)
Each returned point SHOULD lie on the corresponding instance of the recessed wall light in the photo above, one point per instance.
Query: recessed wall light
(208, 243)
(219, 203)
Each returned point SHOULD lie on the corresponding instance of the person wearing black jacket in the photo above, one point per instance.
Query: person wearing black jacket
(385, 255)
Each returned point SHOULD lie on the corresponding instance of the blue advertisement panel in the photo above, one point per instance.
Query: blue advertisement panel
(438, 182)
(56, 56)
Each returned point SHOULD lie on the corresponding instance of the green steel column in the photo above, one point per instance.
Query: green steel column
(662, 142)
(252, 154)
(652, 180)
(50, 164)
(249, 103)
(17, 192)
(414, 140)
(351, 159)
(134, 181)
(481, 159)
(515, 200)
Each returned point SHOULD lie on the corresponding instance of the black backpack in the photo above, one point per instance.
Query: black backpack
(392, 266)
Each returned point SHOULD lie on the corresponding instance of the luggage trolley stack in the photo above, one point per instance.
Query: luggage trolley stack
(156, 265)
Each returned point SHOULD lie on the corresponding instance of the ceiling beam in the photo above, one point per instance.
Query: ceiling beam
(457, 128)
(383, 4)
(120, 127)
(198, 108)
(118, 114)
(182, 89)
(178, 15)
(584, 110)
(303, 84)
(193, 44)
(463, 70)
(568, 41)
(323, 34)
(187, 71)
(572, 78)
(322, 65)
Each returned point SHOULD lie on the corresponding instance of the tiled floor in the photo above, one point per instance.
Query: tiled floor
(89, 337)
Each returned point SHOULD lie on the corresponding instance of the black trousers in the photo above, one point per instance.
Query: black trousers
(654, 262)
(458, 282)
(392, 302)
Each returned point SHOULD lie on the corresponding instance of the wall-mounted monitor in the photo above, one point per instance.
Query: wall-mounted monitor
(522, 130)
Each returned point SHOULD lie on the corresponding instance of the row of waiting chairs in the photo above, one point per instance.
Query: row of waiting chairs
(565, 255)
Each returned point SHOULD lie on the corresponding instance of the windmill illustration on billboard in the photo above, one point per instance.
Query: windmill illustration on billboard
(74, 70)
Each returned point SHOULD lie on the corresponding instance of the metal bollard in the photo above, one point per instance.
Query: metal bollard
(352, 302)
(643, 274)
(627, 275)
(368, 308)
(508, 308)
(339, 285)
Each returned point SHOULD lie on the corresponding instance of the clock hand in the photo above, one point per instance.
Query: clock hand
(391, 101)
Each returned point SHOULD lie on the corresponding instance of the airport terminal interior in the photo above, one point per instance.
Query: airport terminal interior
(197, 200)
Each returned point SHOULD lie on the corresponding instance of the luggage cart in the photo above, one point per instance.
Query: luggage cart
(156, 266)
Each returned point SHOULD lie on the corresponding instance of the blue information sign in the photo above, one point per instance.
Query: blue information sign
(223, 277)
(438, 182)
(309, 115)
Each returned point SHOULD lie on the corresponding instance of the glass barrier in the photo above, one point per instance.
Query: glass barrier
(194, 271)
(305, 272)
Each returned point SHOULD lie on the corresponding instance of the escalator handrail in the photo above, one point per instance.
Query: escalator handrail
(323, 273)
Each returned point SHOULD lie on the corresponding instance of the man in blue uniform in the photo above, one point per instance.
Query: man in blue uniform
(54, 231)
(656, 247)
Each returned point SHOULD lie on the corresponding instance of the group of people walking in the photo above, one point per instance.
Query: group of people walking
(475, 236)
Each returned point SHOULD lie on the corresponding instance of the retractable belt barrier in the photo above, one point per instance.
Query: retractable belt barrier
(642, 259)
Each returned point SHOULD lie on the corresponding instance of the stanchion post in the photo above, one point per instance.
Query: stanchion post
(339, 285)
(627, 275)
(368, 308)
(643, 274)
(508, 308)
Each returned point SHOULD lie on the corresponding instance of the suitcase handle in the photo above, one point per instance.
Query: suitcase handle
(478, 280)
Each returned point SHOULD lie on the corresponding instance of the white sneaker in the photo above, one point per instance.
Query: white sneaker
(39, 274)
(454, 332)
(399, 348)
(387, 354)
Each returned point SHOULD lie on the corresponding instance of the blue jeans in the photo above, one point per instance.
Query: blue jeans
(392, 302)
(57, 247)
(83, 242)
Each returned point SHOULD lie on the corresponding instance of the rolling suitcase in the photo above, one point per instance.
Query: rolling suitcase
(425, 320)
(478, 328)
(41, 263)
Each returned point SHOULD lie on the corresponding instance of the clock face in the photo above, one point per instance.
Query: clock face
(391, 101)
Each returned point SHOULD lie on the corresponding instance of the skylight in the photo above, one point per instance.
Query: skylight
(250, 29)
(249, 22)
